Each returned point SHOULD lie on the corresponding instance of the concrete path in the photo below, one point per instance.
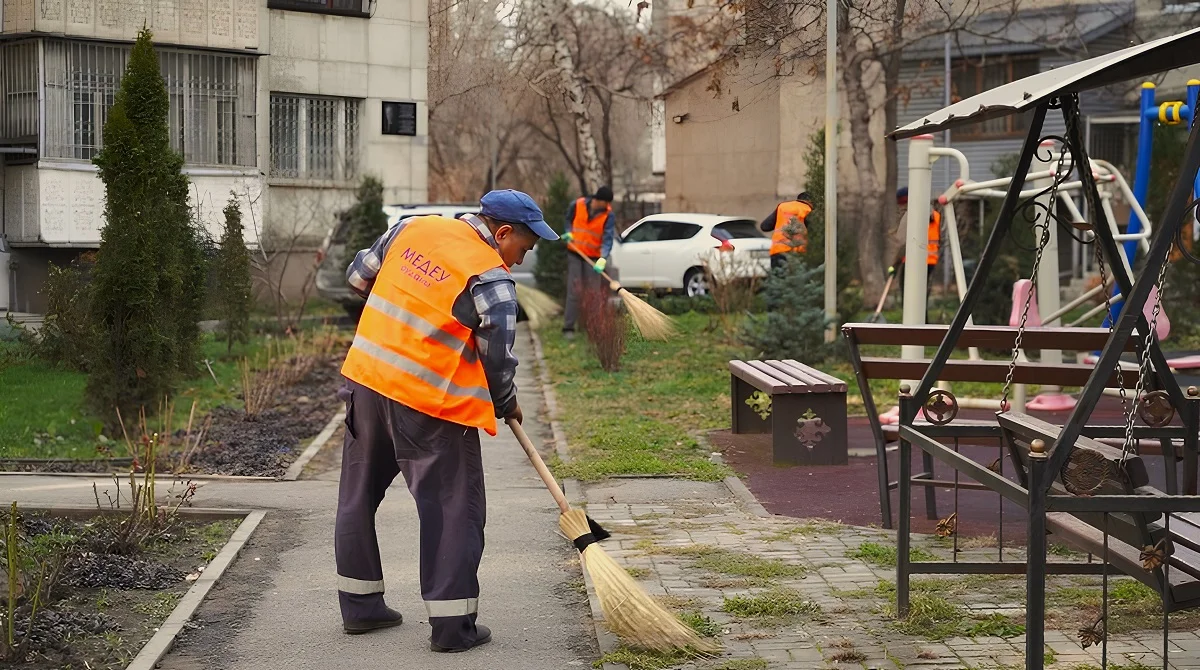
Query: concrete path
(277, 606)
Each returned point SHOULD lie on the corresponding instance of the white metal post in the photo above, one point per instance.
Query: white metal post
(831, 125)
(920, 190)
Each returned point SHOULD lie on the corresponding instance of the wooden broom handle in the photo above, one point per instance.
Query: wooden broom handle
(539, 465)
(613, 284)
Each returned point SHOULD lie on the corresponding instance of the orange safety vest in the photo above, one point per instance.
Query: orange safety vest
(935, 236)
(784, 240)
(587, 235)
(409, 347)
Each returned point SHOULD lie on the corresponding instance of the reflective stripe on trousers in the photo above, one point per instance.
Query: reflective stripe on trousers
(445, 608)
(359, 587)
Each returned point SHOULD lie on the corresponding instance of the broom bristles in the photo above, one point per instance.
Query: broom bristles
(630, 612)
(651, 323)
(538, 306)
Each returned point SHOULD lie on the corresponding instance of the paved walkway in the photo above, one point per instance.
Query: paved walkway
(276, 606)
(697, 547)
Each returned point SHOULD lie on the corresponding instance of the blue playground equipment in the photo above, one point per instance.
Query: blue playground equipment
(1167, 113)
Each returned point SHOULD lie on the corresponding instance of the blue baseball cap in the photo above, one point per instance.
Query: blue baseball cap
(509, 206)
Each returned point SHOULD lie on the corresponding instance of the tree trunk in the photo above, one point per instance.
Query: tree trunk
(606, 134)
(576, 101)
(870, 239)
(892, 240)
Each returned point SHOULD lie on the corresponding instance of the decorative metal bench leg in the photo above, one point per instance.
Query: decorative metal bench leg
(930, 492)
(1191, 444)
(1035, 571)
(885, 490)
(903, 525)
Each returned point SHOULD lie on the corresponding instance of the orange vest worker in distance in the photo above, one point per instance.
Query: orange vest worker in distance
(432, 363)
(587, 229)
(789, 232)
(934, 232)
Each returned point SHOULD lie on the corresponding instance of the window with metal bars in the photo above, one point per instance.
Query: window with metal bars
(314, 138)
(212, 101)
(343, 7)
(18, 92)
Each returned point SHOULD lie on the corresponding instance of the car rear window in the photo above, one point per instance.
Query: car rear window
(739, 230)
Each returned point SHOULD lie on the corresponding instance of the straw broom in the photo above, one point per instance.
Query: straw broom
(538, 306)
(629, 611)
(651, 323)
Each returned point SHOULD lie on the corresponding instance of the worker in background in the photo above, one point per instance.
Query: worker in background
(789, 232)
(590, 229)
(432, 363)
(933, 246)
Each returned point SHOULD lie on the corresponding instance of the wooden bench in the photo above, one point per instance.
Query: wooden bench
(807, 419)
(867, 368)
(1094, 469)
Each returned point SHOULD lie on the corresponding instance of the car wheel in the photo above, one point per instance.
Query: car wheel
(695, 283)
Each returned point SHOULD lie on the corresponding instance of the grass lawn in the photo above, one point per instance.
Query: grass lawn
(42, 412)
(642, 419)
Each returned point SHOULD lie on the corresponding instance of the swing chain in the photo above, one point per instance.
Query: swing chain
(1112, 323)
(1043, 240)
(1144, 368)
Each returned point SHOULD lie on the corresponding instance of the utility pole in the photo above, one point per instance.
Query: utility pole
(831, 144)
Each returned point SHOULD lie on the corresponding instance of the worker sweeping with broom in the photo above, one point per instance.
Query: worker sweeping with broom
(431, 364)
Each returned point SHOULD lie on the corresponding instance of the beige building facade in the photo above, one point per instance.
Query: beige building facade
(283, 104)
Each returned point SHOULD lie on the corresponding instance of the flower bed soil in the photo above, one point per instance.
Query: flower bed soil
(234, 444)
(105, 606)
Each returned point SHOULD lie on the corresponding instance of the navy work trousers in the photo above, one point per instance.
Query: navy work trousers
(443, 467)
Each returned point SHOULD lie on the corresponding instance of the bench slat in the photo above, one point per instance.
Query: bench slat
(987, 337)
(755, 377)
(792, 385)
(836, 385)
(807, 382)
(1063, 374)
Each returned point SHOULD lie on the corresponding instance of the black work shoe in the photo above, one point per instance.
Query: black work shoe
(367, 625)
(483, 635)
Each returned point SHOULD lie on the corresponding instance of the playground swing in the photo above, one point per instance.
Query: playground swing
(1094, 497)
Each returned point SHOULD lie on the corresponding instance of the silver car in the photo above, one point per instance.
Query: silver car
(332, 257)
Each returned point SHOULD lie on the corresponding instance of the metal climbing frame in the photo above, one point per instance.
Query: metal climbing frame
(1094, 496)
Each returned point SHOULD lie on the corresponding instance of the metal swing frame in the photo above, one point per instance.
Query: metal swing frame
(1041, 94)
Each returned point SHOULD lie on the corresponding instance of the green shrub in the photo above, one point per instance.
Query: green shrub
(550, 271)
(366, 219)
(149, 279)
(233, 279)
(65, 335)
(794, 325)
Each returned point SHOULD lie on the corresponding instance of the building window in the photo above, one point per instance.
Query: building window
(211, 115)
(360, 8)
(314, 137)
(18, 92)
(971, 76)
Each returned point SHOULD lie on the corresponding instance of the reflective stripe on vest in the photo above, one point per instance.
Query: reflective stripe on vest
(587, 235)
(409, 347)
(935, 237)
(791, 233)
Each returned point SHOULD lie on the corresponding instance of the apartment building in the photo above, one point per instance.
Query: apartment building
(285, 104)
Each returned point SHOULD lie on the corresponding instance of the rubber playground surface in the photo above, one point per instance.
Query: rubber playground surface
(849, 493)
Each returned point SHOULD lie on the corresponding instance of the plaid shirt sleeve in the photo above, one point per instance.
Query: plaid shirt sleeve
(365, 267)
(495, 296)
